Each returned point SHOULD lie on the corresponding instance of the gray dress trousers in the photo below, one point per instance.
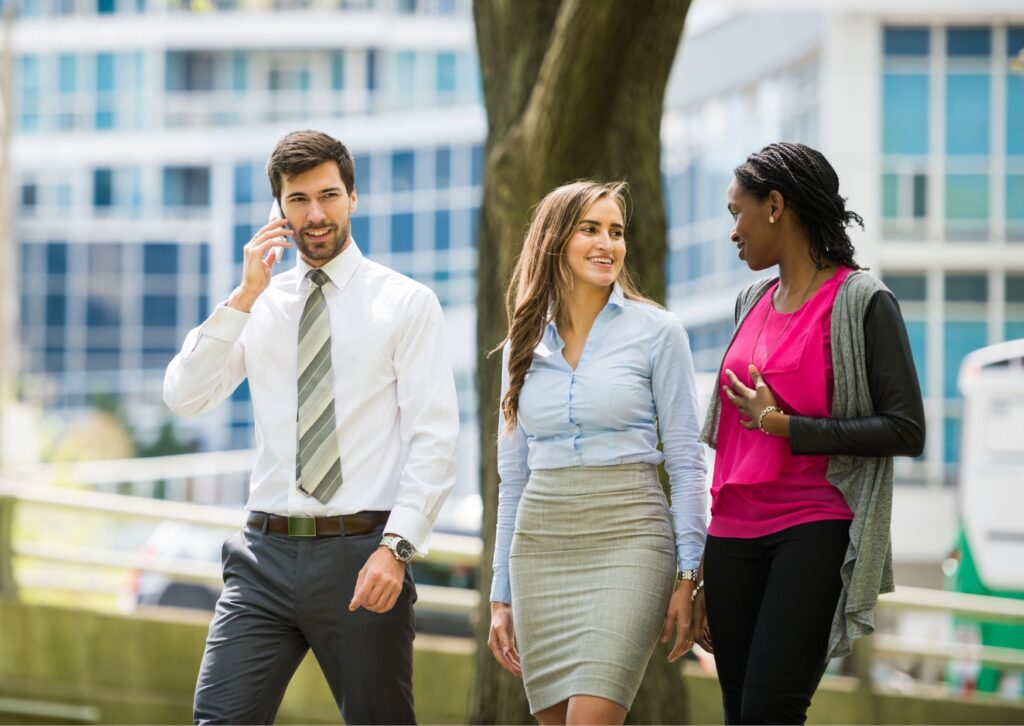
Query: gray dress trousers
(283, 595)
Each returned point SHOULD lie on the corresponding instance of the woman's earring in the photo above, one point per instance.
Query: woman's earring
(771, 218)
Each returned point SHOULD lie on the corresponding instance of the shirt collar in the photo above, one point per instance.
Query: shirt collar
(340, 269)
(618, 297)
(554, 340)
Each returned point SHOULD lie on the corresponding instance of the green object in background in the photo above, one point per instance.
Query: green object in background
(962, 675)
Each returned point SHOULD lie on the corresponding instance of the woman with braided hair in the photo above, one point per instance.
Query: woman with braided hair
(818, 394)
(587, 547)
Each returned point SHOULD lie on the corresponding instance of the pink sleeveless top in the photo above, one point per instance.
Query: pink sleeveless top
(758, 486)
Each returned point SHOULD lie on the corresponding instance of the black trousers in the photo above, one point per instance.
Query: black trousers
(770, 603)
(284, 595)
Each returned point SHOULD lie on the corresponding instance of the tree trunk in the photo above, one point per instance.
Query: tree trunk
(573, 89)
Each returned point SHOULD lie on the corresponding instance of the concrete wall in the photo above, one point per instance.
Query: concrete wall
(65, 666)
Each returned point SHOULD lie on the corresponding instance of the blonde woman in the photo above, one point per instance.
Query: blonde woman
(587, 548)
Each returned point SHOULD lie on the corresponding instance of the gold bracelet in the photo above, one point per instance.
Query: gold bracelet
(760, 419)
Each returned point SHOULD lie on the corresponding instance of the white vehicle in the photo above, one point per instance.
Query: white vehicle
(992, 463)
(990, 546)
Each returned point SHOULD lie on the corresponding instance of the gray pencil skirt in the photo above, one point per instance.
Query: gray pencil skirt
(592, 569)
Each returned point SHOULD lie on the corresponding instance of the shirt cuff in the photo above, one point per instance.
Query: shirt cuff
(225, 324)
(686, 558)
(411, 525)
(501, 589)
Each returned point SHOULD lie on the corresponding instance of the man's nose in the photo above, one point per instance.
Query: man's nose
(315, 213)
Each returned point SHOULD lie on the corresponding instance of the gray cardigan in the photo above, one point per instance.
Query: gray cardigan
(865, 481)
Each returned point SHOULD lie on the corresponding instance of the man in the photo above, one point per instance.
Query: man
(356, 427)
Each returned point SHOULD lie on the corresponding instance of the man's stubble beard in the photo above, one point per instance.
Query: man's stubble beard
(327, 250)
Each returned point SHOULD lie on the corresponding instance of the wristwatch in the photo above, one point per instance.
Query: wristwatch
(400, 547)
(690, 575)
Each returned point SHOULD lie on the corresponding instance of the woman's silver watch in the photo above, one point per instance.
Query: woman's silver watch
(690, 575)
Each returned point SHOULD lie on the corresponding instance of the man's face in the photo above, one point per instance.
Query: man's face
(318, 207)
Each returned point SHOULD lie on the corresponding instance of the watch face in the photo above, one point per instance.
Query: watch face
(403, 549)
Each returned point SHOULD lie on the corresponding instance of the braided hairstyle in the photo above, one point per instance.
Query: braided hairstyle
(810, 187)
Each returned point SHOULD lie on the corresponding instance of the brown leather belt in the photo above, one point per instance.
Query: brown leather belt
(344, 524)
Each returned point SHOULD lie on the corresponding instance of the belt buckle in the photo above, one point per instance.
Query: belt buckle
(301, 526)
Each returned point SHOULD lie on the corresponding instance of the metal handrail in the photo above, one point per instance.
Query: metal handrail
(982, 607)
(932, 650)
(446, 549)
(452, 550)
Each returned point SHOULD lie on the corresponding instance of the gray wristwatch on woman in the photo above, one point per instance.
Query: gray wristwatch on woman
(690, 575)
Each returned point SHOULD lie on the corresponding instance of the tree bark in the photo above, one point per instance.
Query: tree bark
(573, 89)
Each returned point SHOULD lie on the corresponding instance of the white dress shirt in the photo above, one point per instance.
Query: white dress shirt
(394, 391)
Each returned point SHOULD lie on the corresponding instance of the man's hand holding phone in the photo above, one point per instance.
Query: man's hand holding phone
(258, 258)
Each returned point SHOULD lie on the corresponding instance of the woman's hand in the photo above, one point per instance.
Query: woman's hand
(502, 639)
(750, 402)
(679, 618)
(700, 623)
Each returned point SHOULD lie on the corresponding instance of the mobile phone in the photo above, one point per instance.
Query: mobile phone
(275, 214)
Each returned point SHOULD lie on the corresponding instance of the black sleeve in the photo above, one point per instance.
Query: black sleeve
(897, 426)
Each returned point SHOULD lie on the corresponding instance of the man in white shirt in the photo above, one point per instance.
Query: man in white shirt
(356, 428)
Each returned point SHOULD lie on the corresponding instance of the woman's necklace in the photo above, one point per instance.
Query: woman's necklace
(767, 310)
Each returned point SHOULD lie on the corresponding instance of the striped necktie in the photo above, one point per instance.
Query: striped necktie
(317, 462)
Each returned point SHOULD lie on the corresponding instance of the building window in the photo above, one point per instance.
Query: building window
(28, 93)
(361, 232)
(239, 71)
(338, 70)
(906, 41)
(243, 183)
(1014, 307)
(362, 173)
(406, 78)
(102, 188)
(29, 197)
(403, 173)
(446, 75)
(442, 229)
(904, 201)
(961, 42)
(1015, 207)
(186, 186)
(57, 258)
(105, 91)
(967, 114)
(905, 113)
(56, 309)
(159, 311)
(371, 70)
(402, 232)
(1015, 95)
(906, 288)
(967, 207)
(66, 73)
(189, 71)
(160, 258)
(443, 167)
(477, 160)
(965, 325)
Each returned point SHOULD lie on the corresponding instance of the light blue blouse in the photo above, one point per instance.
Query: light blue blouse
(635, 373)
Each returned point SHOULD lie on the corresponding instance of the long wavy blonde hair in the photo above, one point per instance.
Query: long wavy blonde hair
(542, 280)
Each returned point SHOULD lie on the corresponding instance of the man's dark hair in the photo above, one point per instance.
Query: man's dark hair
(300, 151)
(810, 187)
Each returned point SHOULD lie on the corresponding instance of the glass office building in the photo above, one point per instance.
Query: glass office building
(141, 136)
